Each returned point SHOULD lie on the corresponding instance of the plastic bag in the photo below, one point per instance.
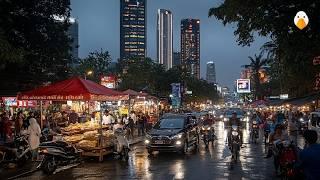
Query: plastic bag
(226, 152)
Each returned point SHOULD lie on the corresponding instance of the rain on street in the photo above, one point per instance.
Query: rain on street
(204, 164)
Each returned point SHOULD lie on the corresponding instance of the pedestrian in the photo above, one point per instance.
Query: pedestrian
(34, 133)
(73, 117)
(125, 119)
(6, 126)
(131, 127)
(26, 120)
(107, 118)
(141, 122)
(293, 127)
(309, 157)
(18, 123)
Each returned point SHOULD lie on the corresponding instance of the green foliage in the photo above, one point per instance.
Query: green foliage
(97, 62)
(34, 46)
(290, 48)
(256, 63)
(144, 74)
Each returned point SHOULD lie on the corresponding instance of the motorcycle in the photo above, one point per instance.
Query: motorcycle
(254, 132)
(207, 133)
(303, 125)
(46, 135)
(121, 148)
(56, 154)
(267, 131)
(235, 142)
(17, 152)
(286, 152)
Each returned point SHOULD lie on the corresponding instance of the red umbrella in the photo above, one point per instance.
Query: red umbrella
(74, 88)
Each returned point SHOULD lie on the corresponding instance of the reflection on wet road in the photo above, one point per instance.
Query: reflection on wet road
(204, 164)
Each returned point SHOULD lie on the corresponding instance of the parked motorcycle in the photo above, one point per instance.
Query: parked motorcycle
(207, 133)
(18, 151)
(57, 154)
(254, 132)
(235, 142)
(121, 148)
(46, 135)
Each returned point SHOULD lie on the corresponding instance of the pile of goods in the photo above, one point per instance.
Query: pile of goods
(85, 136)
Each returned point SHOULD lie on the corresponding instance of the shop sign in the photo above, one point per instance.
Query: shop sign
(108, 81)
(13, 102)
(284, 96)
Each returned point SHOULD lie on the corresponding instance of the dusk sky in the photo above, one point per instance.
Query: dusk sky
(99, 22)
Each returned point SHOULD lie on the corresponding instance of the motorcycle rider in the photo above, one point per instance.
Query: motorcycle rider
(278, 134)
(256, 118)
(234, 121)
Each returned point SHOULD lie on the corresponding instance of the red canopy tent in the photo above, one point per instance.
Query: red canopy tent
(76, 89)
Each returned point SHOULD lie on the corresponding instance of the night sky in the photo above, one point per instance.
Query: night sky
(99, 22)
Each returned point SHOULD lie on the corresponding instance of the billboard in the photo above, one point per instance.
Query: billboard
(243, 86)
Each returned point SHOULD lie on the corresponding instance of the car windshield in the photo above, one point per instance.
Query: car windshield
(169, 124)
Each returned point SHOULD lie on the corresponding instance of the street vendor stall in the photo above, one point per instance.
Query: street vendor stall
(93, 138)
(143, 102)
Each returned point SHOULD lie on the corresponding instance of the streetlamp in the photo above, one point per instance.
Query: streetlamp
(88, 74)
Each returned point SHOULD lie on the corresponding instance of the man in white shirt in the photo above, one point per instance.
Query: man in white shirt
(133, 117)
(107, 119)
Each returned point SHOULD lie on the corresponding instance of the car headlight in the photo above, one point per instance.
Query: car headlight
(178, 136)
(225, 119)
(248, 113)
(178, 142)
(221, 116)
(301, 119)
(235, 133)
(208, 128)
(147, 141)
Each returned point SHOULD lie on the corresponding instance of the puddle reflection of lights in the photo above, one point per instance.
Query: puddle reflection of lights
(142, 166)
(178, 170)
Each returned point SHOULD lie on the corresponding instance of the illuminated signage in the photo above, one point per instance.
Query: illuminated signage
(243, 86)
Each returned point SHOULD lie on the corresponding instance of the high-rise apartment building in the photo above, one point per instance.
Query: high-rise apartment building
(73, 33)
(176, 59)
(190, 46)
(211, 72)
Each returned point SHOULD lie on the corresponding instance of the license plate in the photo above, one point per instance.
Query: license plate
(159, 142)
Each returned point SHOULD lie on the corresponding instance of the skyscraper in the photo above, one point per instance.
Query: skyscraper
(164, 38)
(190, 46)
(176, 59)
(73, 33)
(133, 29)
(211, 72)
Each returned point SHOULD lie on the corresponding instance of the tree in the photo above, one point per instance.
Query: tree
(97, 62)
(292, 49)
(256, 63)
(34, 45)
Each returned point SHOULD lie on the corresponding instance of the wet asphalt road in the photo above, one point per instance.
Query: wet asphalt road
(204, 164)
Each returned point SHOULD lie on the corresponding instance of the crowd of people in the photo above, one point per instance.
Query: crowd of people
(286, 126)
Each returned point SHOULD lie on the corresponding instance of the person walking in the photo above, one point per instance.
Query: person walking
(34, 132)
(131, 127)
(293, 127)
(18, 123)
(140, 125)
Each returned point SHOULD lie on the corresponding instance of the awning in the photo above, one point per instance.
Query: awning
(76, 89)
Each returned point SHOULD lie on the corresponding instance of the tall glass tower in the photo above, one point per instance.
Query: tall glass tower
(164, 38)
(190, 46)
